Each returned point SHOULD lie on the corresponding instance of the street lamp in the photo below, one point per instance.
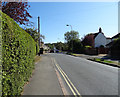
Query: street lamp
(70, 26)
(72, 39)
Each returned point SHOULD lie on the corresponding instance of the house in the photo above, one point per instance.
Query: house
(115, 37)
(46, 47)
(99, 39)
(108, 40)
(96, 39)
(114, 47)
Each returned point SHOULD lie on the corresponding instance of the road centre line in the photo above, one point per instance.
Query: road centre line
(68, 81)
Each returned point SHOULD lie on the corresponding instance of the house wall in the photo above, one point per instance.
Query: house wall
(100, 39)
(108, 41)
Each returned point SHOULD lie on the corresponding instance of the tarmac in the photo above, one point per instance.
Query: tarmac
(44, 80)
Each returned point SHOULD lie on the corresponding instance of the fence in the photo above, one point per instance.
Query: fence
(96, 51)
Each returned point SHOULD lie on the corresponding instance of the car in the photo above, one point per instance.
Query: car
(57, 51)
(51, 51)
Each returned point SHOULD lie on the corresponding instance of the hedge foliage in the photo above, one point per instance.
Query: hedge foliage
(18, 52)
(0, 57)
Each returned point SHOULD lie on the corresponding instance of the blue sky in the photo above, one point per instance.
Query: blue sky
(85, 17)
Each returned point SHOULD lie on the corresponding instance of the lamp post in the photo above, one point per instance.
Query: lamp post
(70, 26)
(72, 39)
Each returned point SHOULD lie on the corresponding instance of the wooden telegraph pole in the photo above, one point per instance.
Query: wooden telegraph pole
(39, 33)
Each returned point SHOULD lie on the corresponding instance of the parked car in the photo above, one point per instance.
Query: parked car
(51, 51)
(57, 51)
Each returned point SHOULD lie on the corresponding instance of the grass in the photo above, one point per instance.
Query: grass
(106, 61)
(98, 59)
(76, 55)
(69, 53)
(119, 63)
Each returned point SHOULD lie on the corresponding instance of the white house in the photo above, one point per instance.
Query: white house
(108, 40)
(100, 39)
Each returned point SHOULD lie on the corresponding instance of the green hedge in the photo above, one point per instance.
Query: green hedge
(18, 52)
(0, 57)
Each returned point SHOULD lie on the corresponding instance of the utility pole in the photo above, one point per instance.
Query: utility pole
(39, 34)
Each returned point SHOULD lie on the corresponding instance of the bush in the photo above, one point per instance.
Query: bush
(115, 49)
(18, 52)
(88, 47)
(101, 46)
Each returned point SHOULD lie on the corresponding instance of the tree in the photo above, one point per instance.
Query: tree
(77, 46)
(50, 45)
(17, 11)
(33, 32)
(42, 37)
(70, 37)
(88, 40)
(59, 46)
(35, 35)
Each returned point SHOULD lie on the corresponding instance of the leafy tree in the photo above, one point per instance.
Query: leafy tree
(77, 46)
(42, 37)
(59, 46)
(50, 45)
(88, 40)
(17, 11)
(72, 35)
(33, 32)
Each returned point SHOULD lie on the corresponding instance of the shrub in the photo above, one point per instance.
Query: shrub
(18, 52)
(101, 46)
(87, 47)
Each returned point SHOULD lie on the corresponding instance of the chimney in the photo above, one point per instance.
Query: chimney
(100, 30)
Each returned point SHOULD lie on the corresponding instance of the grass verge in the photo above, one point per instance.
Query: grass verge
(105, 61)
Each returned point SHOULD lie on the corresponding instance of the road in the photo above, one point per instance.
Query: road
(88, 78)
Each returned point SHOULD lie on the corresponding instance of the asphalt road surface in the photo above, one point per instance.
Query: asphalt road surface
(85, 77)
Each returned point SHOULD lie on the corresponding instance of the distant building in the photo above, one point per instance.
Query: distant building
(114, 47)
(115, 37)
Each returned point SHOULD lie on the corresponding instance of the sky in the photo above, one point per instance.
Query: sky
(84, 17)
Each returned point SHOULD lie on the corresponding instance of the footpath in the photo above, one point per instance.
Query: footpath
(44, 80)
(101, 58)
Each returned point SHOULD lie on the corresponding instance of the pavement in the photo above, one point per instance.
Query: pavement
(44, 80)
(100, 56)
